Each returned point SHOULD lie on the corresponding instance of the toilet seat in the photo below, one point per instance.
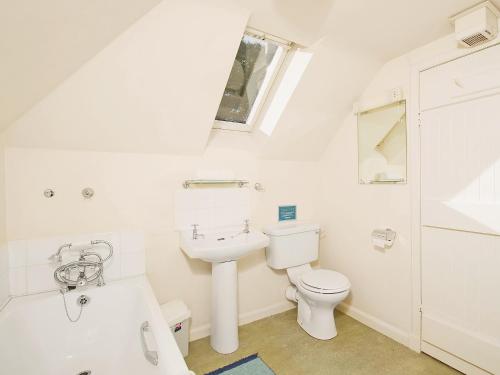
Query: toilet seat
(324, 282)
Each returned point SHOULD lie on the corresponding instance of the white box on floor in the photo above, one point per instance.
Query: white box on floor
(177, 315)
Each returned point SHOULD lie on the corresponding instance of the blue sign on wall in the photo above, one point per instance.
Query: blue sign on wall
(287, 213)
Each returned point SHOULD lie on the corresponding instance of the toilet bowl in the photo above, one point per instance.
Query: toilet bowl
(317, 291)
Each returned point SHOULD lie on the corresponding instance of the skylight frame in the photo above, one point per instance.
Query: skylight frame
(263, 95)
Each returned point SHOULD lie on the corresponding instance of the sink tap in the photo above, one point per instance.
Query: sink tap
(196, 235)
(245, 230)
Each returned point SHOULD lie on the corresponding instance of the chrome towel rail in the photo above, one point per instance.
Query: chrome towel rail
(189, 183)
(151, 355)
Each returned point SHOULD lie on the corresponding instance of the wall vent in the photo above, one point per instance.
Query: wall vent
(474, 40)
(476, 25)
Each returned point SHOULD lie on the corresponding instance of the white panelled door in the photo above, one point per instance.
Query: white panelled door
(460, 195)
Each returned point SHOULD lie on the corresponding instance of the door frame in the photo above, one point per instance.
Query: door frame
(416, 68)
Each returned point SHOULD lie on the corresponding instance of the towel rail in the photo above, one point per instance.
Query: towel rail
(189, 183)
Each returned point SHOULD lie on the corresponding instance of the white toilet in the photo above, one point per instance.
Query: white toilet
(317, 291)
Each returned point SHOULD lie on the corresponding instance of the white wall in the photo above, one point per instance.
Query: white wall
(4, 263)
(136, 192)
(381, 281)
(42, 43)
(154, 89)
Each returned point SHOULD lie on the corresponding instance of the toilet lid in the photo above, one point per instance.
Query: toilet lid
(325, 281)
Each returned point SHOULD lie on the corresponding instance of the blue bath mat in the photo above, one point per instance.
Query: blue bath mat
(251, 365)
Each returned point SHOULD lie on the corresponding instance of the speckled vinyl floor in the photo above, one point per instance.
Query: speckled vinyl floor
(288, 350)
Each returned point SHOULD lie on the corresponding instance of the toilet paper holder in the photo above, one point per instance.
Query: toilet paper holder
(387, 235)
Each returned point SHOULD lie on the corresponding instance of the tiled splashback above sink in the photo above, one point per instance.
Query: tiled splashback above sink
(31, 271)
(211, 208)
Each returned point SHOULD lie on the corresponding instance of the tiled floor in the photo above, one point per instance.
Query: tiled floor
(288, 350)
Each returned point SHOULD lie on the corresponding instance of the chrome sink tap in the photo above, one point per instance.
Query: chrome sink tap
(197, 235)
(246, 229)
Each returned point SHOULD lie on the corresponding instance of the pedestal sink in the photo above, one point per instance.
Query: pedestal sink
(223, 250)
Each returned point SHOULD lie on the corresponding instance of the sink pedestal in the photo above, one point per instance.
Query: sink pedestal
(224, 317)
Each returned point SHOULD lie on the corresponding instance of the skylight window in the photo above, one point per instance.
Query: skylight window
(255, 67)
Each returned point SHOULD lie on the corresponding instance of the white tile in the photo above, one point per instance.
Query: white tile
(4, 259)
(17, 253)
(132, 242)
(101, 249)
(112, 237)
(40, 250)
(133, 264)
(204, 218)
(113, 268)
(4, 288)
(183, 219)
(17, 281)
(202, 198)
(225, 217)
(40, 278)
(239, 215)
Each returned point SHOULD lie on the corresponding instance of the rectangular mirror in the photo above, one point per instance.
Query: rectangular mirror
(382, 144)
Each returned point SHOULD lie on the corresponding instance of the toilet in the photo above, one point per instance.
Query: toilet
(317, 291)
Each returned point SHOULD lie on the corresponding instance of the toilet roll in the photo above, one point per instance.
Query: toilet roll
(378, 243)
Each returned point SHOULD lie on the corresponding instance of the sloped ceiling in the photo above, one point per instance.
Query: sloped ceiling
(43, 42)
(157, 86)
(154, 89)
(359, 37)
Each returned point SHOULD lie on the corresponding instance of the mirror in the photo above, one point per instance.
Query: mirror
(382, 144)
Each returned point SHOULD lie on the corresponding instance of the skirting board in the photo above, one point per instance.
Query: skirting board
(378, 325)
(452, 361)
(245, 318)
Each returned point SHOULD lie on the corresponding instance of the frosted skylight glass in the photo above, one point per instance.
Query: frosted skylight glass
(290, 80)
(254, 69)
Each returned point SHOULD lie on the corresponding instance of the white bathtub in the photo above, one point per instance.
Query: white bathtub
(36, 337)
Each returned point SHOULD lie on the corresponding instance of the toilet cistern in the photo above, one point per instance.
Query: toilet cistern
(317, 291)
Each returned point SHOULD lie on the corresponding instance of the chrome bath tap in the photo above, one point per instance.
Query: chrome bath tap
(87, 269)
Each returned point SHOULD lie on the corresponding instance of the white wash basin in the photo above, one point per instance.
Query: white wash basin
(222, 247)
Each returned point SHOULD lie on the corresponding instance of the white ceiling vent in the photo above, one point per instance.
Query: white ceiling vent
(476, 25)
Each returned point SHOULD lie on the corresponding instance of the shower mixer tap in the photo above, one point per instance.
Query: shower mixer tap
(87, 269)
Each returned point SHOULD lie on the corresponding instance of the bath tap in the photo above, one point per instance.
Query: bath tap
(57, 256)
(82, 248)
(82, 279)
(85, 270)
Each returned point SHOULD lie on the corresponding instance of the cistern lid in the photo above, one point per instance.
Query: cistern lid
(285, 229)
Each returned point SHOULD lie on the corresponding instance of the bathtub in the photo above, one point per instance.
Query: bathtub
(36, 336)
